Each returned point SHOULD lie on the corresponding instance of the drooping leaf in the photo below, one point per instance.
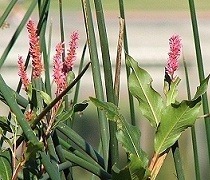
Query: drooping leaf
(202, 88)
(175, 119)
(172, 93)
(150, 101)
(5, 165)
(128, 135)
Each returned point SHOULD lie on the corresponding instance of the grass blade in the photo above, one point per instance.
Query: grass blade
(17, 32)
(200, 70)
(104, 126)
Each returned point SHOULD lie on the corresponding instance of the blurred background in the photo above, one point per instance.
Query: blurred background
(149, 26)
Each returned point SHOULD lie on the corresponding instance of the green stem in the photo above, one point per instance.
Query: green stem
(104, 126)
(178, 161)
(17, 32)
(51, 169)
(98, 171)
(193, 133)
(69, 148)
(10, 99)
(80, 142)
(113, 144)
(131, 100)
(59, 97)
(7, 11)
(200, 70)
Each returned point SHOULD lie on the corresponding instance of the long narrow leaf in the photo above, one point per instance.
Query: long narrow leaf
(17, 32)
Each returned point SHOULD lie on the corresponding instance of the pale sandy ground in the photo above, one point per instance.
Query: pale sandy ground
(148, 35)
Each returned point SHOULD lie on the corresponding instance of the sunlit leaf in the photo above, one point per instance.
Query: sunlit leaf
(150, 102)
(175, 119)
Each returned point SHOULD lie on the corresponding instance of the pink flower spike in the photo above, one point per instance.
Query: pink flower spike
(71, 55)
(35, 53)
(58, 74)
(174, 54)
(22, 73)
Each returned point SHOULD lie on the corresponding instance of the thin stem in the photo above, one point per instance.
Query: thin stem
(7, 11)
(17, 32)
(178, 161)
(101, 173)
(113, 145)
(80, 142)
(200, 70)
(193, 133)
(59, 97)
(131, 100)
(104, 126)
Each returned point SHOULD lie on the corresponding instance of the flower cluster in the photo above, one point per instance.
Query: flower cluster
(71, 55)
(174, 54)
(22, 73)
(60, 68)
(58, 74)
(35, 52)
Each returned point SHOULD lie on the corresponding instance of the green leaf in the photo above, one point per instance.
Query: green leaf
(128, 135)
(121, 174)
(64, 116)
(47, 99)
(5, 165)
(150, 102)
(136, 169)
(175, 119)
(79, 107)
(132, 171)
(172, 93)
(202, 88)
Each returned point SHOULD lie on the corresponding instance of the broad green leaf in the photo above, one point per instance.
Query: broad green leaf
(5, 165)
(172, 93)
(150, 102)
(128, 135)
(136, 169)
(202, 88)
(175, 119)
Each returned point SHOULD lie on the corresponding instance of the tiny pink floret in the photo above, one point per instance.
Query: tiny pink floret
(35, 51)
(174, 54)
(58, 74)
(71, 55)
(22, 73)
